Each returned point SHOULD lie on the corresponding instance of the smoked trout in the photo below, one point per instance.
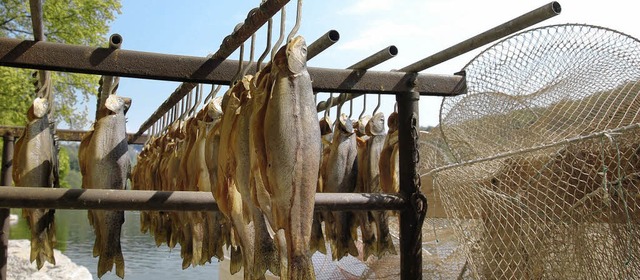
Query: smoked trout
(105, 164)
(364, 218)
(293, 151)
(35, 165)
(341, 178)
(389, 158)
(375, 144)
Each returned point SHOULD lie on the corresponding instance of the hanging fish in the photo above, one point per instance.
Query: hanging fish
(293, 151)
(389, 158)
(364, 218)
(36, 166)
(341, 178)
(375, 144)
(105, 164)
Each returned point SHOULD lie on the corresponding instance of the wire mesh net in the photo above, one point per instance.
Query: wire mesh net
(537, 167)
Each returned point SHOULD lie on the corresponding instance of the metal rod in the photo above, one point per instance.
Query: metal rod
(533, 17)
(67, 134)
(412, 216)
(324, 42)
(369, 62)
(29, 197)
(125, 63)
(7, 163)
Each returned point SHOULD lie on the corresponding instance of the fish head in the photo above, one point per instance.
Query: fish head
(345, 125)
(297, 55)
(392, 122)
(376, 124)
(361, 125)
(39, 108)
(214, 108)
(325, 126)
(117, 104)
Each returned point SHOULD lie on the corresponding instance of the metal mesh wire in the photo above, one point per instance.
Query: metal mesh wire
(537, 167)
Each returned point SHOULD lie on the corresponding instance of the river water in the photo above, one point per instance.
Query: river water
(143, 260)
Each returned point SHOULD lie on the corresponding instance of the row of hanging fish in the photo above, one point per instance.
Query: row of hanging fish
(257, 150)
(358, 156)
(260, 151)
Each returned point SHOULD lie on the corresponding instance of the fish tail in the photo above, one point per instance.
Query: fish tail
(369, 244)
(197, 235)
(265, 253)
(43, 235)
(236, 260)
(318, 242)
(385, 243)
(107, 227)
(186, 247)
(301, 267)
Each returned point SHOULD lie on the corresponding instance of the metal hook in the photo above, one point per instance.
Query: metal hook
(364, 106)
(296, 26)
(267, 48)
(350, 107)
(330, 101)
(276, 46)
(395, 107)
(240, 60)
(214, 91)
(251, 52)
(378, 105)
(340, 103)
(192, 112)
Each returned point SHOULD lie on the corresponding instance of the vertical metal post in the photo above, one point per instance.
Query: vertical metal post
(7, 162)
(412, 216)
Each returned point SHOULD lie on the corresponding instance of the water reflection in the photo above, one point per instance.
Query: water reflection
(143, 260)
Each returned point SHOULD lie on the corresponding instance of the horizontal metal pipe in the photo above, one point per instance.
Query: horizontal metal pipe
(67, 134)
(533, 17)
(145, 65)
(376, 58)
(29, 197)
(369, 62)
(325, 41)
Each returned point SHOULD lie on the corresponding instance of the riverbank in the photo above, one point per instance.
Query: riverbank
(19, 267)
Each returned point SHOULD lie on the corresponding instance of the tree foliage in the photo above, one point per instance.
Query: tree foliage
(81, 22)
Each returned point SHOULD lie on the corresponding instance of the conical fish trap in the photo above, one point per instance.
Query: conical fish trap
(538, 165)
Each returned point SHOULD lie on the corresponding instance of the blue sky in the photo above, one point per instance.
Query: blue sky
(418, 28)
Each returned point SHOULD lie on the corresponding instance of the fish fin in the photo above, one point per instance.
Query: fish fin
(42, 237)
(197, 235)
(301, 267)
(236, 260)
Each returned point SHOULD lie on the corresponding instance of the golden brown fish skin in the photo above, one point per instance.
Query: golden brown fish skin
(107, 166)
(217, 224)
(341, 178)
(292, 138)
(318, 241)
(388, 162)
(226, 194)
(33, 167)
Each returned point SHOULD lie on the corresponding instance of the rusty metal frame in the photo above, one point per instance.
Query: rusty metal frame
(406, 85)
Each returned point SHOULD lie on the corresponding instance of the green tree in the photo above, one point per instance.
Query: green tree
(81, 22)
(63, 167)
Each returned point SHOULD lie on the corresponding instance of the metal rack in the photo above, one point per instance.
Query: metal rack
(407, 84)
